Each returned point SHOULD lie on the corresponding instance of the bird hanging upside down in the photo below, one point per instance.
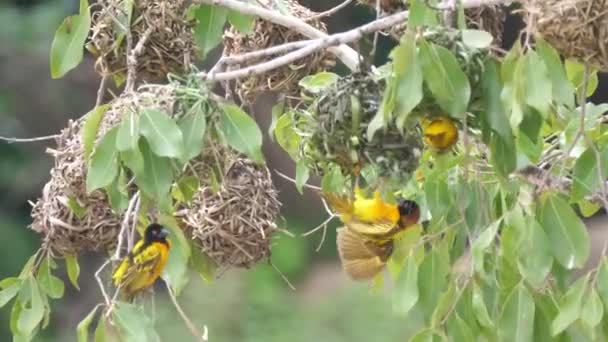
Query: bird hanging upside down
(370, 227)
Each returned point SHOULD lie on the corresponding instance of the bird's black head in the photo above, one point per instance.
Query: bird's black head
(408, 207)
(155, 233)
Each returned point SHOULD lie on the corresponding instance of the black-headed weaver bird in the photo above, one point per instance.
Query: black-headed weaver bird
(441, 133)
(140, 268)
(370, 227)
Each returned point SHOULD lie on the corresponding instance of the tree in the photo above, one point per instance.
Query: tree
(498, 147)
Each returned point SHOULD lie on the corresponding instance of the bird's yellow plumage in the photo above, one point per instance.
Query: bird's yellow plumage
(441, 133)
(370, 226)
(144, 264)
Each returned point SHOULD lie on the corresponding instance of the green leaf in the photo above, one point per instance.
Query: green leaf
(82, 330)
(9, 293)
(133, 323)
(575, 71)
(31, 316)
(128, 133)
(444, 305)
(118, 194)
(407, 77)
(134, 160)
(567, 233)
(67, 48)
(592, 310)
(242, 22)
(503, 154)
(158, 176)
(438, 197)
(333, 181)
(513, 77)
(49, 283)
(422, 15)
(602, 281)
(432, 278)
(538, 86)
(71, 263)
(585, 177)
(588, 208)
(563, 90)
(481, 243)
(104, 163)
(241, 131)
(459, 330)
(202, 263)
(90, 128)
(287, 137)
(535, 258)
(302, 174)
(209, 28)
(100, 330)
(185, 188)
(193, 127)
(378, 121)
(426, 335)
(162, 133)
(446, 80)
(277, 111)
(570, 306)
(480, 310)
(8, 282)
(516, 321)
(176, 271)
(493, 114)
(406, 288)
(476, 38)
(76, 208)
(319, 82)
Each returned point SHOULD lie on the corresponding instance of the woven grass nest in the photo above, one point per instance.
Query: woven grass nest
(98, 227)
(234, 225)
(576, 28)
(488, 18)
(169, 46)
(266, 34)
(333, 133)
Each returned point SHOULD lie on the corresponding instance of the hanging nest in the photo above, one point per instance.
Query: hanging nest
(234, 225)
(168, 46)
(576, 28)
(264, 35)
(334, 132)
(95, 226)
(488, 18)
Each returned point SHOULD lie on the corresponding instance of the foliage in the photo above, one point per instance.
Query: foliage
(532, 151)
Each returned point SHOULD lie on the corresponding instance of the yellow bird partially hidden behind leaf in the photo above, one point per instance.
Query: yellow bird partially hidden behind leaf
(441, 133)
(140, 268)
(370, 226)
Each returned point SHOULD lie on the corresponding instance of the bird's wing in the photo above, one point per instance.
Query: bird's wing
(137, 267)
(360, 259)
(378, 230)
(340, 204)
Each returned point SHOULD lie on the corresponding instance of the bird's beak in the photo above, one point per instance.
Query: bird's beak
(164, 233)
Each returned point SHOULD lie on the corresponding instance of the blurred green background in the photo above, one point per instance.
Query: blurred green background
(251, 305)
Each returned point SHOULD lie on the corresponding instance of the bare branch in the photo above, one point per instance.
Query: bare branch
(18, 140)
(193, 329)
(330, 11)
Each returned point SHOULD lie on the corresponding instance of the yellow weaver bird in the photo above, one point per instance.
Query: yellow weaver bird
(140, 268)
(441, 133)
(370, 226)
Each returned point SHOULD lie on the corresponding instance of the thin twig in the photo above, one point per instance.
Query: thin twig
(293, 288)
(101, 91)
(282, 175)
(193, 329)
(19, 140)
(106, 298)
(265, 53)
(329, 12)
